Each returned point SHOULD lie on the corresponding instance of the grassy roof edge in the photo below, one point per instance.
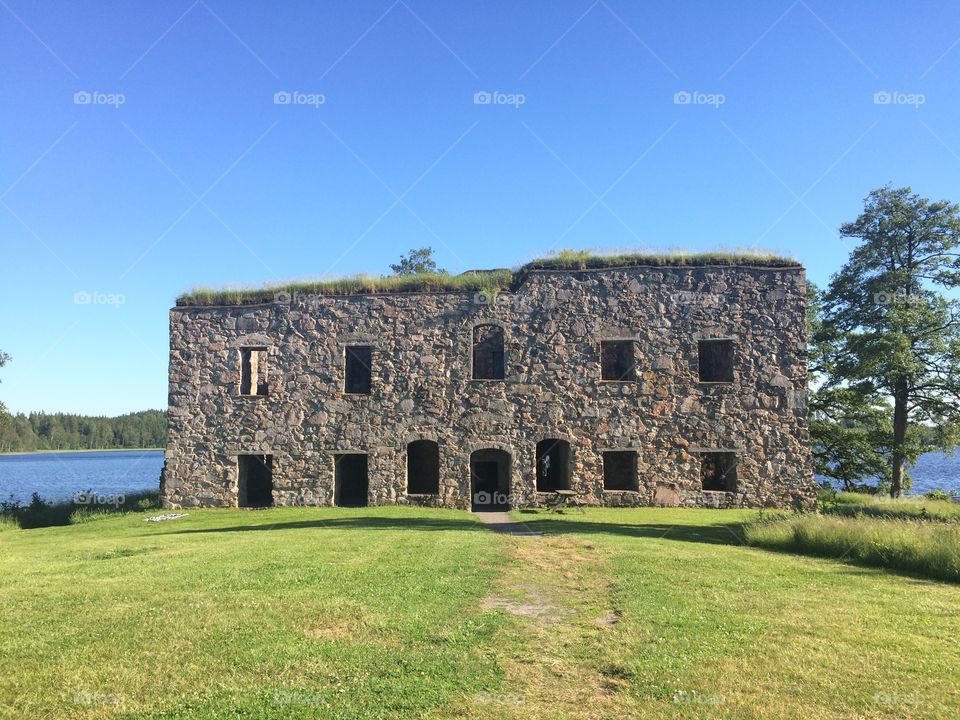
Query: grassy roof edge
(474, 280)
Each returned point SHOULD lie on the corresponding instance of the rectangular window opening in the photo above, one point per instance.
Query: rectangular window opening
(715, 360)
(488, 355)
(620, 470)
(618, 360)
(358, 375)
(718, 471)
(253, 371)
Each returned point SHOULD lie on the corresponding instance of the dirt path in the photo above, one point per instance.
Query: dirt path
(559, 595)
(503, 523)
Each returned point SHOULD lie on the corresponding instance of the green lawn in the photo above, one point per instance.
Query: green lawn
(401, 612)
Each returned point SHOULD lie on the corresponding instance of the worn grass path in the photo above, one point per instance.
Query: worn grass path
(405, 613)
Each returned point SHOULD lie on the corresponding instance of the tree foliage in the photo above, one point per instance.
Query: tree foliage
(4, 414)
(62, 431)
(848, 430)
(417, 262)
(890, 331)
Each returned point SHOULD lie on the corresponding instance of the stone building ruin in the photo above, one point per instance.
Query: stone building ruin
(649, 383)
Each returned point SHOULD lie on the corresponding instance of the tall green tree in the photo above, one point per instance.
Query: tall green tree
(4, 413)
(849, 431)
(895, 326)
(417, 261)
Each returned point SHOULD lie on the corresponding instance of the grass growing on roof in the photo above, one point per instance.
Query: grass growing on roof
(354, 285)
(483, 280)
(588, 260)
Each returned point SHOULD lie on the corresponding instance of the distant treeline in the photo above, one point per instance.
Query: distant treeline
(61, 431)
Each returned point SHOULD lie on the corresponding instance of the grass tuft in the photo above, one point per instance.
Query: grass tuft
(849, 504)
(40, 513)
(929, 549)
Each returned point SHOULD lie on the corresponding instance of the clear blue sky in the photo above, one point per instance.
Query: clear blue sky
(200, 178)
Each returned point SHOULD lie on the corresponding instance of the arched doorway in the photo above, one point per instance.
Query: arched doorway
(490, 480)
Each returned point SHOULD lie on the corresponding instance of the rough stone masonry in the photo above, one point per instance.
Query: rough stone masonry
(641, 385)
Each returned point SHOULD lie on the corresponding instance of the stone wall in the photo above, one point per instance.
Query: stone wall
(422, 388)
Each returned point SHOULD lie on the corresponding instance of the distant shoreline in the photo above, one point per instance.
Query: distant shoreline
(85, 450)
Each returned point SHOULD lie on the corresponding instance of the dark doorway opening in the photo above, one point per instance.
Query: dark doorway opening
(255, 480)
(620, 470)
(423, 467)
(553, 465)
(350, 480)
(718, 471)
(490, 480)
(358, 375)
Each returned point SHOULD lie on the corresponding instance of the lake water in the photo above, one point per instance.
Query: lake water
(933, 471)
(59, 476)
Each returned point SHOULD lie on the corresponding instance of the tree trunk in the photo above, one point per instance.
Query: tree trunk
(899, 437)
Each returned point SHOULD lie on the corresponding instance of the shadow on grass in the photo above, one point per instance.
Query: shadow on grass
(710, 533)
(716, 534)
